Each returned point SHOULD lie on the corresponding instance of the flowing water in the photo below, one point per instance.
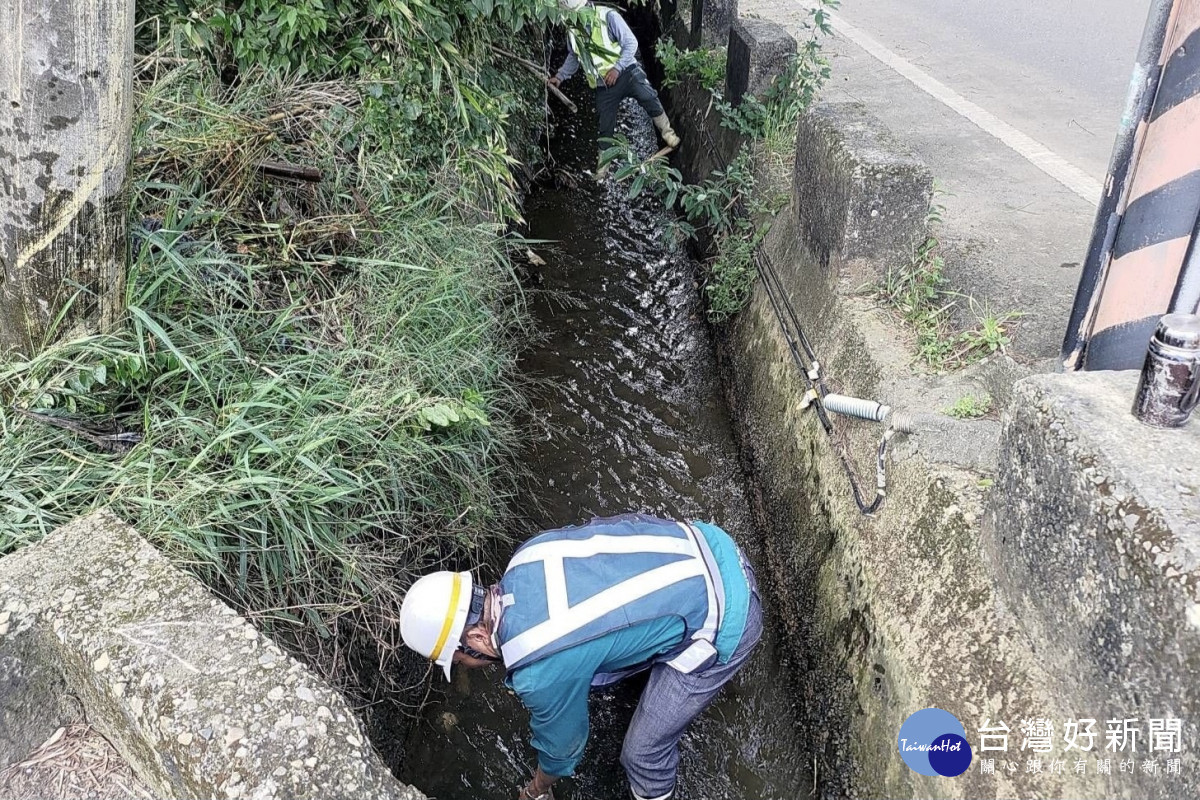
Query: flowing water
(638, 423)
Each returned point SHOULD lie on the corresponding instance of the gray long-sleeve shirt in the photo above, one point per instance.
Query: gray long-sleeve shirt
(619, 31)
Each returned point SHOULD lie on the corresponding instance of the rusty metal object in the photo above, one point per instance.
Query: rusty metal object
(1167, 393)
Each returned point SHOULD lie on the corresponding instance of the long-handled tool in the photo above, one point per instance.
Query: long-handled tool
(662, 153)
(540, 73)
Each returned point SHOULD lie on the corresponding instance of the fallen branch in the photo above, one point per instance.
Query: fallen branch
(540, 73)
(282, 169)
(279, 116)
(115, 442)
(365, 210)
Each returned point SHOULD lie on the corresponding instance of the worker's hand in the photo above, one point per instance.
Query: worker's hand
(611, 77)
(554, 81)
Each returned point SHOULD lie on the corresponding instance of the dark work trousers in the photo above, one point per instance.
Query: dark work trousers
(670, 701)
(631, 83)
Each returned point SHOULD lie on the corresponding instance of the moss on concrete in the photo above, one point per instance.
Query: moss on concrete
(899, 611)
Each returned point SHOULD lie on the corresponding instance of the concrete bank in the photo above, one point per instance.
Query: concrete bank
(1002, 578)
(94, 620)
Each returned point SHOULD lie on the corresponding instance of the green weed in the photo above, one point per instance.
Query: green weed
(988, 336)
(705, 65)
(917, 292)
(970, 407)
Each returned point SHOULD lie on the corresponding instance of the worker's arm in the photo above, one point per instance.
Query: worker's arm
(538, 787)
(558, 714)
(568, 68)
(619, 30)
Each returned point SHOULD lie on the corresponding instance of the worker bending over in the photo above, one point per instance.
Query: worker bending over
(581, 607)
(601, 43)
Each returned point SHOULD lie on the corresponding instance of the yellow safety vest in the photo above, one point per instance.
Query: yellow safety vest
(597, 52)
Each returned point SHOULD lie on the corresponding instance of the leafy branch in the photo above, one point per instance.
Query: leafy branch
(725, 210)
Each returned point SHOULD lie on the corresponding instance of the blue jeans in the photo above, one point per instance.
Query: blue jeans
(670, 701)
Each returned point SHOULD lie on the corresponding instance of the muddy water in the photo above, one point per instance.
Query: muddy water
(638, 423)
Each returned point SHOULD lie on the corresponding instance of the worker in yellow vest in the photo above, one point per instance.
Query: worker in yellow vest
(602, 44)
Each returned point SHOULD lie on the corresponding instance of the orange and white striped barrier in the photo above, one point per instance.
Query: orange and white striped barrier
(1143, 260)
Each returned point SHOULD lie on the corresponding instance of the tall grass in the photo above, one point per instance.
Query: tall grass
(314, 382)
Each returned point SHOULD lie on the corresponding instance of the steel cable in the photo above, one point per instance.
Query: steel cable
(796, 340)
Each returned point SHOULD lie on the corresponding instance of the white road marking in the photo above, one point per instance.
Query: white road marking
(1034, 151)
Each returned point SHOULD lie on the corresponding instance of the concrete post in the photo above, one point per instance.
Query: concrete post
(66, 71)
(758, 51)
(711, 20)
(861, 197)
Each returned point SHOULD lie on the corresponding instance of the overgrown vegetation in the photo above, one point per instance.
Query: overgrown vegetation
(726, 211)
(772, 120)
(716, 207)
(312, 396)
(706, 65)
(433, 85)
(917, 293)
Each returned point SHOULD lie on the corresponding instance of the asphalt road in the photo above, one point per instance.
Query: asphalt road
(1013, 105)
(1057, 70)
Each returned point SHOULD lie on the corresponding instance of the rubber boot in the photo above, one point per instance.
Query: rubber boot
(670, 138)
(601, 169)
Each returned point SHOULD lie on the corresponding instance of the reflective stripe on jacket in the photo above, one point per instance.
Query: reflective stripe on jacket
(572, 585)
(596, 50)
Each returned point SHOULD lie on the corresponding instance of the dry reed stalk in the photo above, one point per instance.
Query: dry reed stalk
(76, 761)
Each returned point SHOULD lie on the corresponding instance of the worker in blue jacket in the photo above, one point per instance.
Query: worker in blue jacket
(586, 606)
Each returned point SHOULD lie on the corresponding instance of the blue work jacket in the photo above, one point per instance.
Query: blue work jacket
(584, 606)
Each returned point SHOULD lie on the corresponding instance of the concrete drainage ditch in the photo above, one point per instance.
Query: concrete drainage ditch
(1068, 590)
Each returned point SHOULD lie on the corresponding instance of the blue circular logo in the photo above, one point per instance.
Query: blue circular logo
(934, 742)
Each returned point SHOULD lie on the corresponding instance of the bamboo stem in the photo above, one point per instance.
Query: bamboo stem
(660, 154)
(536, 70)
(281, 169)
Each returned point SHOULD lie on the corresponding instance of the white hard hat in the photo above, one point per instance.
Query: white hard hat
(572, 5)
(434, 614)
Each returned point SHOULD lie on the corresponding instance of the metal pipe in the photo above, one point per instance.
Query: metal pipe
(1186, 299)
(1138, 104)
(1160, 209)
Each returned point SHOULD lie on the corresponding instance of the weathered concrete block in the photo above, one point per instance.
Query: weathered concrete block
(901, 610)
(32, 699)
(711, 21)
(861, 195)
(195, 699)
(758, 51)
(66, 87)
(1094, 534)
